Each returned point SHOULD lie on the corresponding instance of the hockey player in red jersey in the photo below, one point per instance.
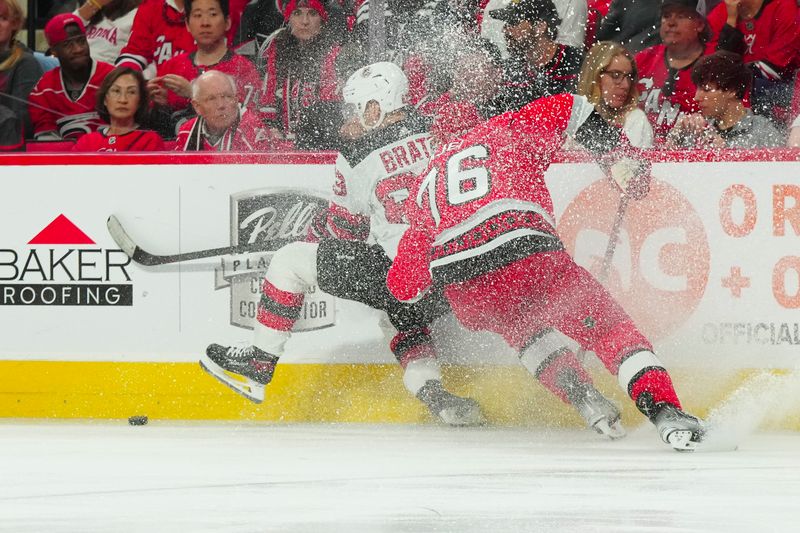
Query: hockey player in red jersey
(62, 104)
(482, 227)
(208, 20)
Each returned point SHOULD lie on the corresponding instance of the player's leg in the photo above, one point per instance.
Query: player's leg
(247, 370)
(357, 271)
(546, 356)
(584, 310)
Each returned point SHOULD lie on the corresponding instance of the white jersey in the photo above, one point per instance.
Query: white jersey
(374, 175)
(108, 37)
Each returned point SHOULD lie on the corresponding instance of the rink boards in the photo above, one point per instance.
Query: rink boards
(708, 265)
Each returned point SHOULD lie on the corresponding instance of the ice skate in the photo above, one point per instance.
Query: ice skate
(680, 430)
(448, 408)
(246, 370)
(599, 413)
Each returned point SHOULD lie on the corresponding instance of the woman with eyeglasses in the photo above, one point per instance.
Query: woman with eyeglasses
(122, 102)
(608, 80)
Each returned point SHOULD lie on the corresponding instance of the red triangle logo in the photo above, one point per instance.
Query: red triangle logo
(61, 231)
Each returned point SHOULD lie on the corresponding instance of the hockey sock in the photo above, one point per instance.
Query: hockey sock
(277, 312)
(642, 376)
(546, 357)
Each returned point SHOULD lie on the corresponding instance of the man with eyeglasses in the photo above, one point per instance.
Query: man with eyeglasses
(62, 104)
(538, 66)
(220, 126)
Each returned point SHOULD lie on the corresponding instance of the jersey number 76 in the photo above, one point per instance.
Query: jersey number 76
(461, 184)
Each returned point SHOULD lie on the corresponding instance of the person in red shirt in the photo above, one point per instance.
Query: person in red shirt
(122, 102)
(208, 20)
(665, 70)
(483, 227)
(220, 125)
(766, 34)
(158, 34)
(62, 104)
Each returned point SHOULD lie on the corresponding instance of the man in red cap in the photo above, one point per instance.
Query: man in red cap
(62, 104)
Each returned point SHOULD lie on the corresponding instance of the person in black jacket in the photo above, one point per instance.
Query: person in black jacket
(632, 23)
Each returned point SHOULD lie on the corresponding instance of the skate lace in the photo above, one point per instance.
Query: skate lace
(239, 352)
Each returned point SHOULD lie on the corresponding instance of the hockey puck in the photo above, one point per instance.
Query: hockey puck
(137, 420)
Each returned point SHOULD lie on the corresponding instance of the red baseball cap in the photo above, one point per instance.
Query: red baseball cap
(56, 29)
(316, 5)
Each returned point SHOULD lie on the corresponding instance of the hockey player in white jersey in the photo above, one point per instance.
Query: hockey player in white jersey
(373, 177)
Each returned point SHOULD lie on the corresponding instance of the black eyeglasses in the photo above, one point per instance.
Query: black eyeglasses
(618, 76)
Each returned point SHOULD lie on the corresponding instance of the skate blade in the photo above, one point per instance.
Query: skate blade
(245, 386)
(452, 417)
(613, 431)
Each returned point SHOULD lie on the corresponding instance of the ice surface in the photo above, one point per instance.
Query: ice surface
(111, 477)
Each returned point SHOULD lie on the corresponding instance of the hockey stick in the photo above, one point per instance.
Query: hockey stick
(143, 257)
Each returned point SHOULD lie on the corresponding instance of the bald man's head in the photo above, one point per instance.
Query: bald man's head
(214, 99)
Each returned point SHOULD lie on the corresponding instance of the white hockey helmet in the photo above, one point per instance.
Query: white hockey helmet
(383, 82)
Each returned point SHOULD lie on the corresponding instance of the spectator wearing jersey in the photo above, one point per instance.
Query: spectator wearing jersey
(300, 98)
(19, 72)
(722, 81)
(62, 104)
(122, 103)
(220, 125)
(665, 70)
(632, 23)
(608, 80)
(794, 133)
(537, 66)
(158, 34)
(171, 91)
(573, 15)
(108, 26)
(767, 35)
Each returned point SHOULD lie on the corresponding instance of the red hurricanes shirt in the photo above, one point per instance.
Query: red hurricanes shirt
(483, 200)
(158, 34)
(239, 67)
(53, 110)
(665, 93)
(134, 141)
(772, 36)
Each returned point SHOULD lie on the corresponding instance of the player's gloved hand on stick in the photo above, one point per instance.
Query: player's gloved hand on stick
(629, 171)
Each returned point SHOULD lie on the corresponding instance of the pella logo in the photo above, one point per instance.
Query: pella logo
(272, 218)
(62, 265)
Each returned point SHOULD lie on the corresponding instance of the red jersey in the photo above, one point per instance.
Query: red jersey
(133, 141)
(159, 33)
(665, 93)
(483, 201)
(236, 66)
(771, 39)
(246, 135)
(52, 109)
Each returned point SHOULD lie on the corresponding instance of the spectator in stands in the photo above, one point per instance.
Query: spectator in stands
(537, 66)
(159, 33)
(632, 23)
(665, 70)
(794, 133)
(171, 90)
(767, 34)
(122, 102)
(19, 72)
(259, 20)
(722, 81)
(608, 80)
(62, 104)
(573, 14)
(300, 100)
(220, 125)
(108, 26)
